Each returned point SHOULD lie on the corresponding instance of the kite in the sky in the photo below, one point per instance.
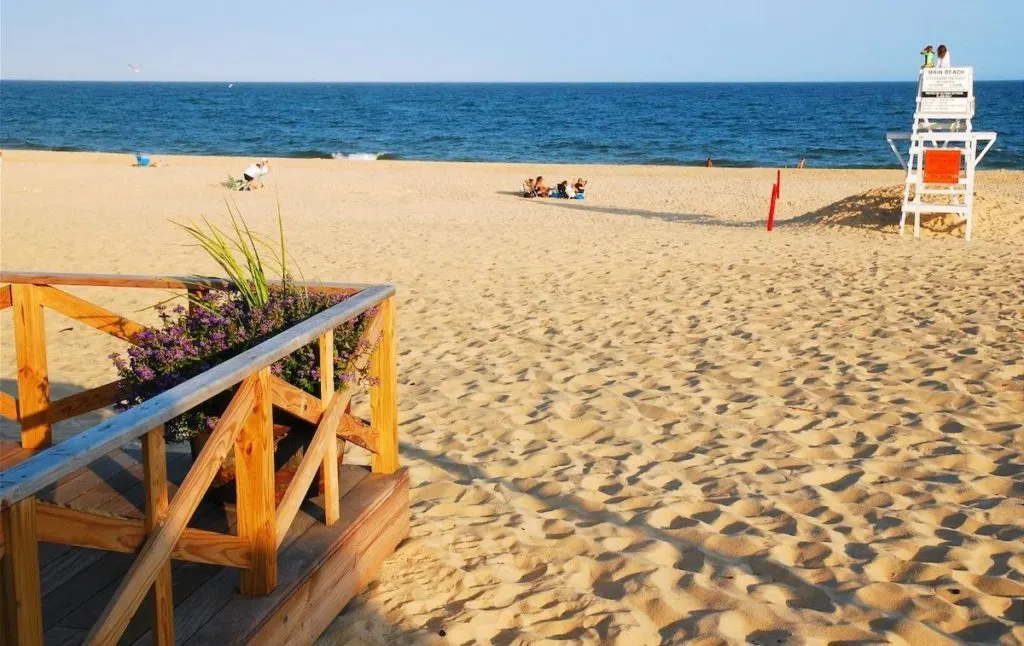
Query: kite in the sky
(135, 68)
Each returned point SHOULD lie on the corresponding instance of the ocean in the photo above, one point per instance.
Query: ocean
(832, 125)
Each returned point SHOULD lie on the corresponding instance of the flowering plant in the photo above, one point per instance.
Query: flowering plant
(219, 326)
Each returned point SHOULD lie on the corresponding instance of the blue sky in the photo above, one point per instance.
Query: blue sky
(474, 40)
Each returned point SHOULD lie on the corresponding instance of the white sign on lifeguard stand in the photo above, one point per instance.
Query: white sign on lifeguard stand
(943, 147)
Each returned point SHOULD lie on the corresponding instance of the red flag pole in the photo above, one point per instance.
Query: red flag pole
(778, 182)
(771, 209)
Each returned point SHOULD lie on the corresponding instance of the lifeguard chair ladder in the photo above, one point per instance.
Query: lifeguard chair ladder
(942, 122)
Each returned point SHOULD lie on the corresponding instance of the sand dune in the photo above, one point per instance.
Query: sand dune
(639, 418)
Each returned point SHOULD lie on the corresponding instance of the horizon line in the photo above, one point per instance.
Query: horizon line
(481, 82)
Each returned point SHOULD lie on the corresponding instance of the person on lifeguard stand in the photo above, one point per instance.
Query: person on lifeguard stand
(929, 56)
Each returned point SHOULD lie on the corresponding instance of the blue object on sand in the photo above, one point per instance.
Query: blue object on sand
(579, 196)
(141, 160)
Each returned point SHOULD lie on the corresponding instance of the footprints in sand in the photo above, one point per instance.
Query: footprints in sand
(812, 440)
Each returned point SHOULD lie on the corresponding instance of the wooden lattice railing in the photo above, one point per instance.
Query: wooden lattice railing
(245, 426)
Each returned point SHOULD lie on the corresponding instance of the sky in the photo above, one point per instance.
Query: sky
(489, 40)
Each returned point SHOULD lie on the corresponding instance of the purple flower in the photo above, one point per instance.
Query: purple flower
(191, 341)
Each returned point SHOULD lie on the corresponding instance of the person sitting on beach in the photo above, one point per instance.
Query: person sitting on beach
(528, 189)
(943, 57)
(563, 189)
(929, 56)
(540, 188)
(253, 175)
(708, 163)
(578, 187)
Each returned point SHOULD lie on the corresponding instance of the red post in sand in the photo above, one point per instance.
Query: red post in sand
(771, 209)
(778, 183)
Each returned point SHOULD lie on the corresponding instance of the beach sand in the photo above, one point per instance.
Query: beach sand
(638, 418)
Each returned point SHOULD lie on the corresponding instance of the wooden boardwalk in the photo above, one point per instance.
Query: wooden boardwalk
(320, 568)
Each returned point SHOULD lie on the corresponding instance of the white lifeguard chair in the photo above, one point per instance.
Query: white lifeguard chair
(943, 149)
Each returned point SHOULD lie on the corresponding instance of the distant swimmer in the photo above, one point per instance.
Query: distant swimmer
(708, 163)
(135, 68)
(943, 57)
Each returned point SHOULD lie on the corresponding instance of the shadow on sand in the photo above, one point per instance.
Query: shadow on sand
(874, 210)
(818, 597)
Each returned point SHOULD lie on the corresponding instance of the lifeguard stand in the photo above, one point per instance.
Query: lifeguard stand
(943, 149)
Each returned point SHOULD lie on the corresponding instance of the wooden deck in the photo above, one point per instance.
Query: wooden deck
(320, 568)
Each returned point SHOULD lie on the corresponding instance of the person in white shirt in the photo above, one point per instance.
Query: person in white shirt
(943, 53)
(254, 173)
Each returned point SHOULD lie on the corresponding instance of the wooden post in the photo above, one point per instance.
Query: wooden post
(254, 480)
(21, 599)
(384, 392)
(33, 381)
(329, 467)
(154, 465)
(194, 291)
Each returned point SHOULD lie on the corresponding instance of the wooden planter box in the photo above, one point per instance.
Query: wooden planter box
(289, 549)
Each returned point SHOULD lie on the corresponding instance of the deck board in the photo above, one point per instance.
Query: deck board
(77, 582)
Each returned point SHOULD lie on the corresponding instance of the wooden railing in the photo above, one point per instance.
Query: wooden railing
(245, 426)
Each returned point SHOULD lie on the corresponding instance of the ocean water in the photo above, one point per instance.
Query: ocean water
(737, 124)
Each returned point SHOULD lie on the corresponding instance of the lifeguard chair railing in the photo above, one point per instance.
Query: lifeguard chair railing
(245, 427)
(943, 152)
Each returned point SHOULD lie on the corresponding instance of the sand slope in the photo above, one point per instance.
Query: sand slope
(640, 418)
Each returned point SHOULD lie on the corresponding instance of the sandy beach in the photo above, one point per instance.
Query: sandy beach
(637, 418)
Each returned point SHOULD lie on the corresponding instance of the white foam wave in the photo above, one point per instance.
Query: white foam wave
(358, 156)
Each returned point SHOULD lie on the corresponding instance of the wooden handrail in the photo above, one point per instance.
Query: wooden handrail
(47, 467)
(150, 282)
(160, 543)
(89, 313)
(69, 526)
(325, 434)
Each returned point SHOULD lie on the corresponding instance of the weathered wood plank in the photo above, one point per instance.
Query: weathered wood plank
(354, 430)
(90, 314)
(158, 546)
(326, 432)
(5, 297)
(47, 467)
(254, 484)
(311, 461)
(196, 610)
(384, 393)
(21, 599)
(79, 403)
(153, 282)
(154, 466)
(295, 400)
(322, 571)
(12, 453)
(65, 562)
(33, 379)
(8, 407)
(68, 526)
(329, 465)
